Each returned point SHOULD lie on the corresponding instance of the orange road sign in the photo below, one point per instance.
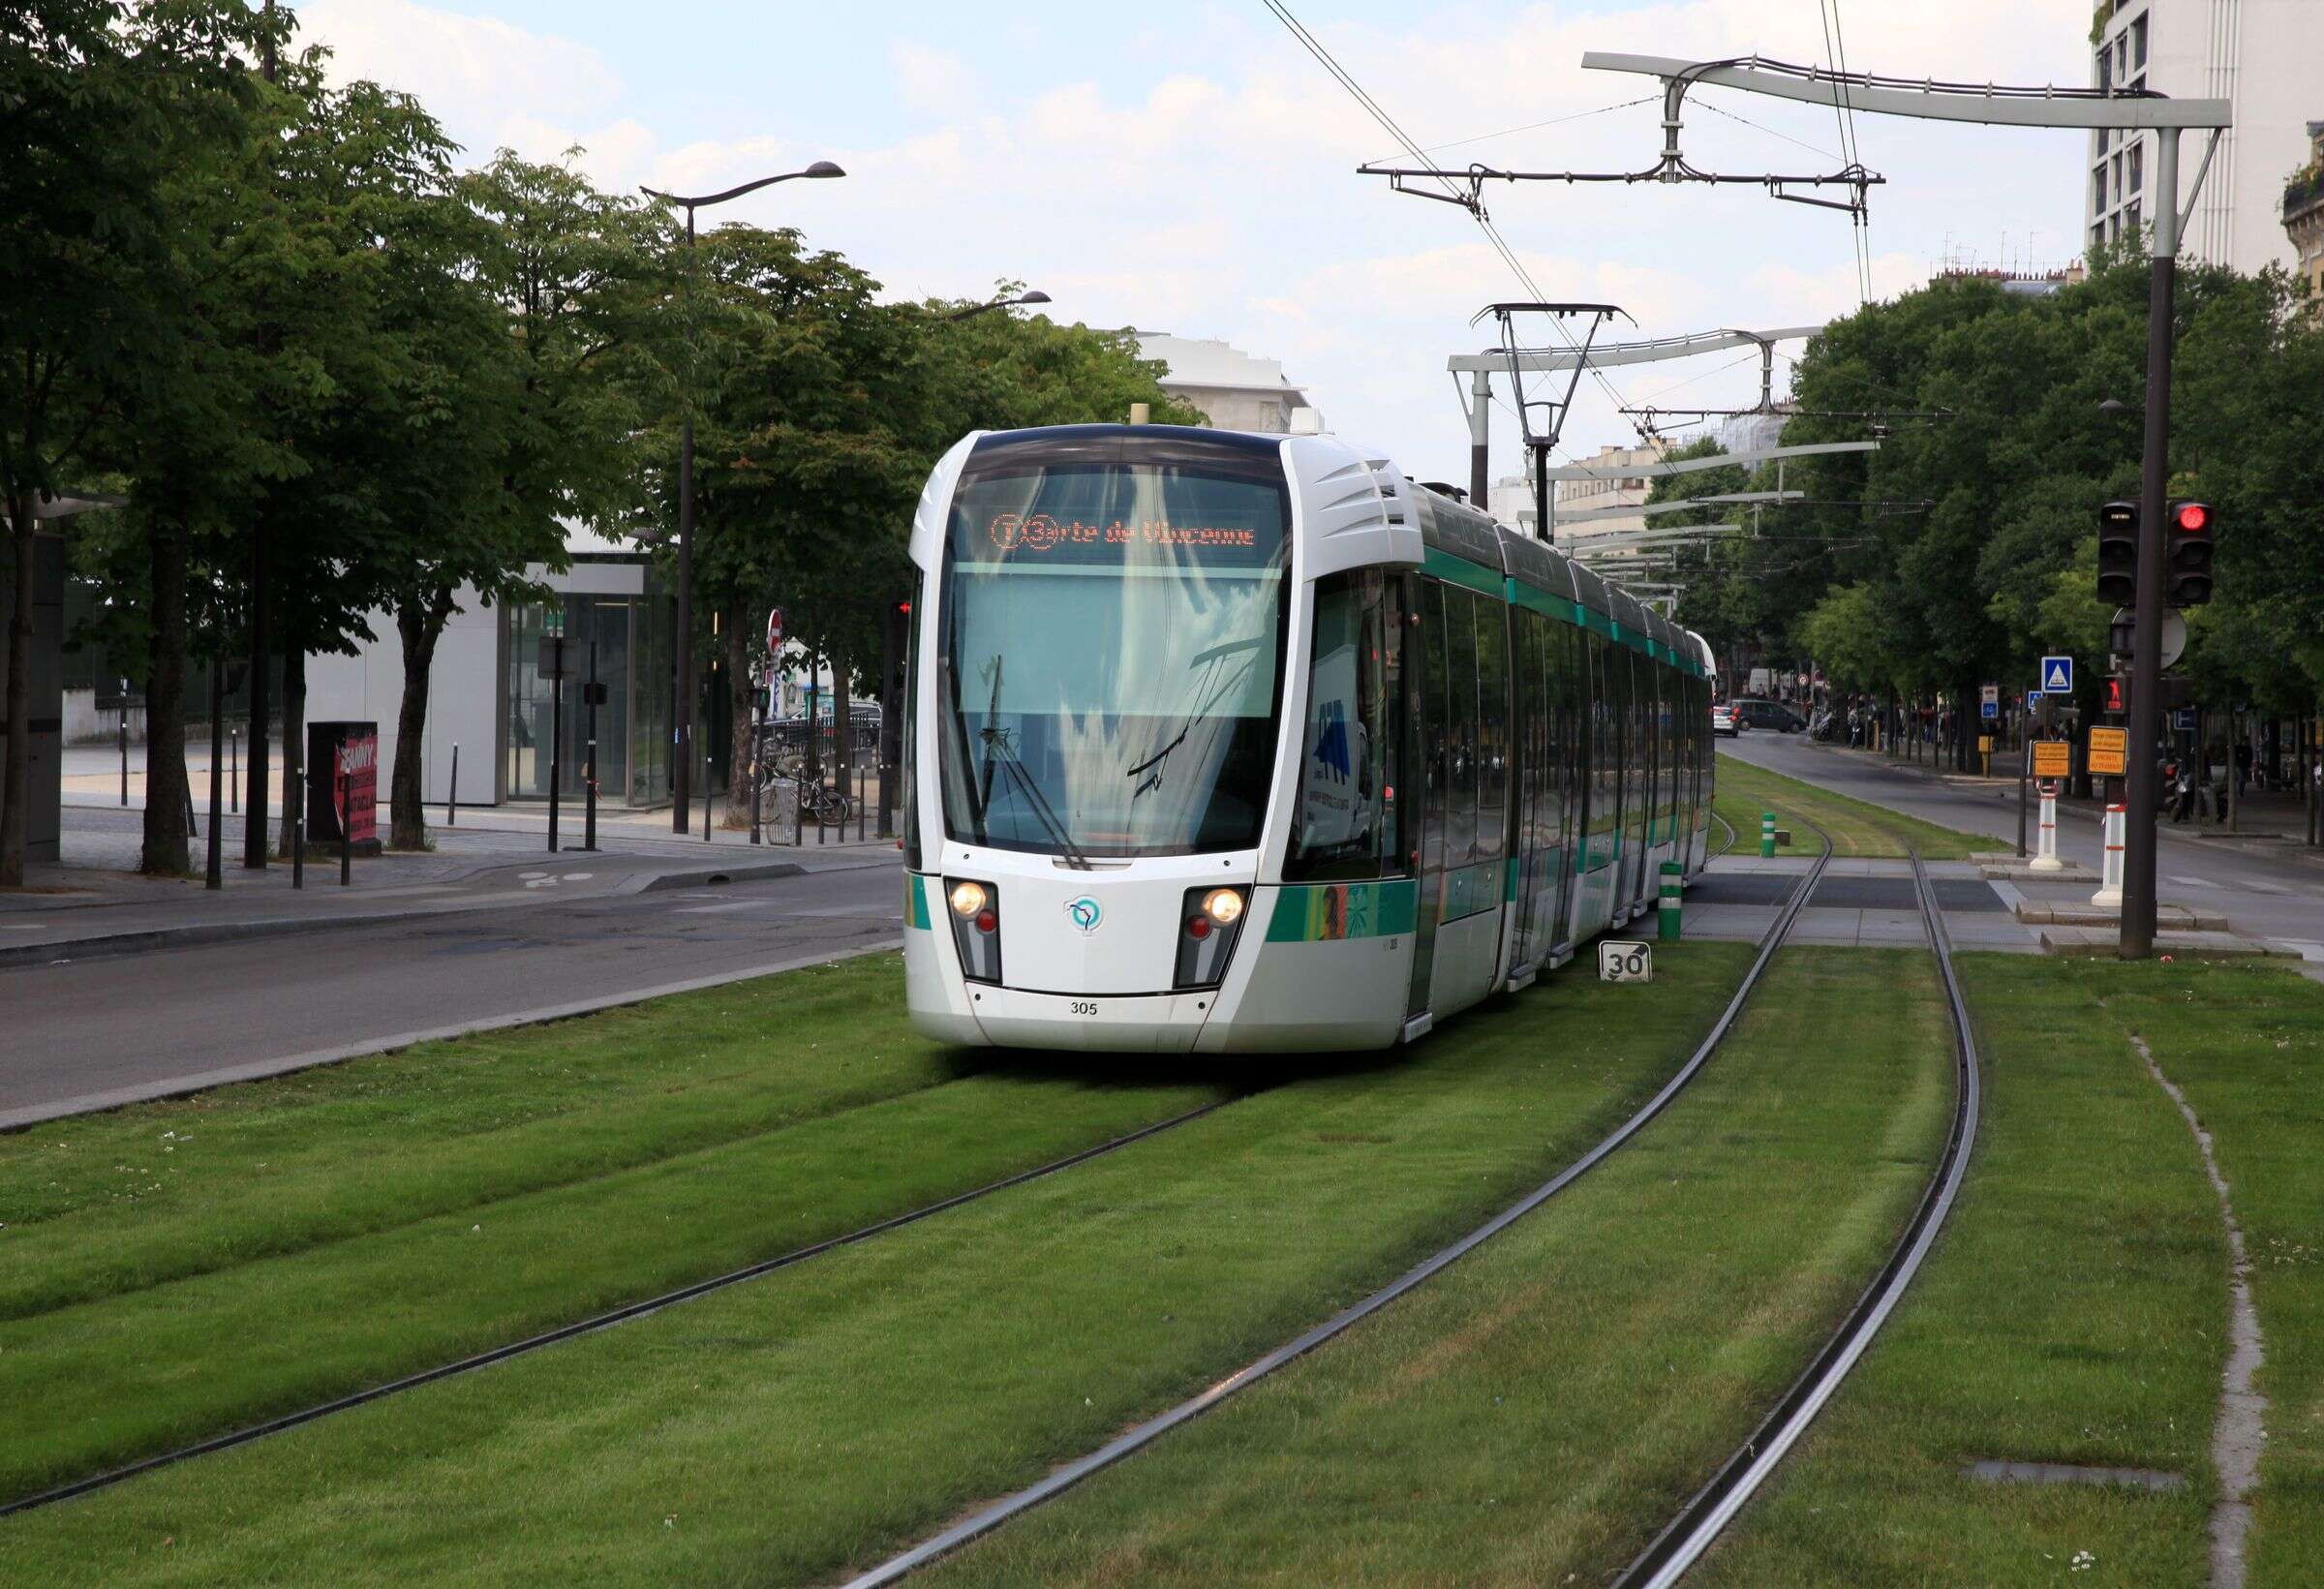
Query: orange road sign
(2110, 751)
(2052, 759)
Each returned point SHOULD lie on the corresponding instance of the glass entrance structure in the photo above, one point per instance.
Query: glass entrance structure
(623, 641)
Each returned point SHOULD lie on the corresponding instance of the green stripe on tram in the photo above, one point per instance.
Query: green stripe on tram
(915, 902)
(1459, 570)
(1326, 912)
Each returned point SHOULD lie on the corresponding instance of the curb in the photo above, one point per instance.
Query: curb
(106, 945)
(30, 1115)
(746, 872)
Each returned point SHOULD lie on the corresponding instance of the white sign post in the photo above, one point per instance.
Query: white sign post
(1625, 962)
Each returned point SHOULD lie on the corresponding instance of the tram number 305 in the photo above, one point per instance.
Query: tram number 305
(1626, 962)
(1085, 1006)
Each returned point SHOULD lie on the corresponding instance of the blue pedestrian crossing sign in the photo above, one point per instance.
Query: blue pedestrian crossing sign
(2058, 675)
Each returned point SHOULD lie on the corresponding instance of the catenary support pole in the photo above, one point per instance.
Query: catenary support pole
(451, 796)
(294, 802)
(1481, 419)
(2146, 658)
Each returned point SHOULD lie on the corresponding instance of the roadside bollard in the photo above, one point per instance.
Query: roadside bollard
(1767, 836)
(2045, 856)
(1667, 924)
(2110, 889)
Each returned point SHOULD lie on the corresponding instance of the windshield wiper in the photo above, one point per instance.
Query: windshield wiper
(998, 752)
(1234, 681)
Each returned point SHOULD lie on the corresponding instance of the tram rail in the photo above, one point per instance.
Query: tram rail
(999, 1511)
(1706, 1514)
(623, 1314)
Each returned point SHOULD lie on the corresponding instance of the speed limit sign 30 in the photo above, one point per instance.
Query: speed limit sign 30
(1625, 962)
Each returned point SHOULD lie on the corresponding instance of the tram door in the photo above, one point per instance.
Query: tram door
(1427, 770)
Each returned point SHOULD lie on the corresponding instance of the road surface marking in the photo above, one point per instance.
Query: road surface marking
(721, 910)
(2192, 882)
(2267, 888)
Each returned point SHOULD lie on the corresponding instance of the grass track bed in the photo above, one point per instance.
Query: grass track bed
(2076, 1310)
(1537, 1410)
(98, 1383)
(1858, 828)
(782, 1430)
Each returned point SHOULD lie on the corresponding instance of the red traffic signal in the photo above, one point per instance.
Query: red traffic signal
(2115, 694)
(2187, 554)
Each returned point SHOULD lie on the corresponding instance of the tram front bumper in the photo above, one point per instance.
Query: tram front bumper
(1117, 1022)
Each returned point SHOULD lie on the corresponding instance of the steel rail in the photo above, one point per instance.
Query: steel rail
(582, 1327)
(1712, 1508)
(990, 1517)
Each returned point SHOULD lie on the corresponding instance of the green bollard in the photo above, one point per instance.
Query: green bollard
(1767, 836)
(1667, 926)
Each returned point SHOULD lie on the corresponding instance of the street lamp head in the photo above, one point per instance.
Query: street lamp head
(2115, 407)
(824, 168)
(1036, 296)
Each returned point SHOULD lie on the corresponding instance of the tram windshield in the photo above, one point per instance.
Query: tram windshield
(1112, 653)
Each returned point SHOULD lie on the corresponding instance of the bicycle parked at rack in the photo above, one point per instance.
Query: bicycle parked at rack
(823, 803)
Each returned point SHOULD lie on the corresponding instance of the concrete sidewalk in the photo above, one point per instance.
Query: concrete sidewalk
(2267, 823)
(92, 907)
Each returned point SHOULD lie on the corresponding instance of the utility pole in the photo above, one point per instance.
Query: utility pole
(2077, 110)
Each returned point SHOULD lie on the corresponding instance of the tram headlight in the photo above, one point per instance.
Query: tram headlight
(1209, 923)
(975, 927)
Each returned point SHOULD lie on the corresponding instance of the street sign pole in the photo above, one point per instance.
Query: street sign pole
(589, 704)
(556, 727)
(2024, 770)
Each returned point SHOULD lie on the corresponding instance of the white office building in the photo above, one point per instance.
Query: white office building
(1232, 389)
(2265, 57)
(1610, 485)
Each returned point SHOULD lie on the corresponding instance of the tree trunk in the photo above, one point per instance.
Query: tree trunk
(843, 735)
(420, 625)
(16, 785)
(812, 764)
(164, 851)
(295, 737)
(742, 773)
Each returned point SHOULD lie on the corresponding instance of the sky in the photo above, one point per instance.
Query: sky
(1189, 167)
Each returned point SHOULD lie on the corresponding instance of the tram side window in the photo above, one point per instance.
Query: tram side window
(1461, 726)
(1492, 727)
(1344, 824)
(1436, 752)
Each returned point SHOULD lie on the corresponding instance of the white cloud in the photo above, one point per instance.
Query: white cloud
(1224, 202)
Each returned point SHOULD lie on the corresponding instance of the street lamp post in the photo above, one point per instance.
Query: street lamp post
(974, 310)
(683, 710)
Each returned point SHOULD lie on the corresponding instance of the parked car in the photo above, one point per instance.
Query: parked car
(1775, 715)
(1727, 721)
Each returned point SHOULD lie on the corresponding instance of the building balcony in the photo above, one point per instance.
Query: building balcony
(2304, 196)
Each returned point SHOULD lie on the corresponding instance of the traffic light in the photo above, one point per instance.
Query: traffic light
(2118, 692)
(2187, 554)
(2117, 554)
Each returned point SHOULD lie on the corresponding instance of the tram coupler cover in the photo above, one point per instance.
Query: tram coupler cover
(1665, 928)
(1767, 836)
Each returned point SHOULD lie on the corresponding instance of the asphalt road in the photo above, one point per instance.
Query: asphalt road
(2276, 897)
(92, 1032)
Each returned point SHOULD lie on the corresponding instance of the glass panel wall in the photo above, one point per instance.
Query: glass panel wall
(630, 638)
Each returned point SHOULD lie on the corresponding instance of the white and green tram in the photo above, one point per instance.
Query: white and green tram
(1227, 742)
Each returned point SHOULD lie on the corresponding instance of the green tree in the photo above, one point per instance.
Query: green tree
(102, 109)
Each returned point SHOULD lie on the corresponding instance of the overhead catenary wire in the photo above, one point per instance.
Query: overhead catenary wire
(1411, 146)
